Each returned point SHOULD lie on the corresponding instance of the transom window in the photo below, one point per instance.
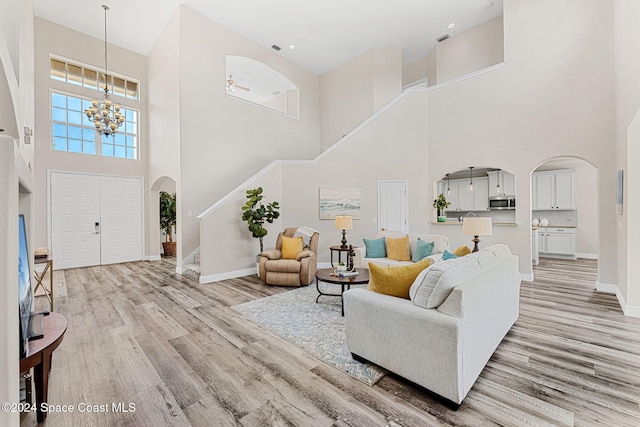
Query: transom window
(80, 75)
(74, 133)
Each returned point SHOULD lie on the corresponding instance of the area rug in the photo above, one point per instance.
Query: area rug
(318, 329)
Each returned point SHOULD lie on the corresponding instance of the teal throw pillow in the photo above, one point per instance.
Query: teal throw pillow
(376, 248)
(448, 255)
(423, 250)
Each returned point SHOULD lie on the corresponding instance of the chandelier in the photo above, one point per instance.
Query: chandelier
(105, 115)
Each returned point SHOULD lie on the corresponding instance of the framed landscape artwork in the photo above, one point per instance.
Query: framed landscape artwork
(340, 201)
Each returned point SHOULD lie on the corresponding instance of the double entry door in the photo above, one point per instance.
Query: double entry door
(95, 219)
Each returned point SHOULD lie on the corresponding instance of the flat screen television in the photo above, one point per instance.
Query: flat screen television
(24, 285)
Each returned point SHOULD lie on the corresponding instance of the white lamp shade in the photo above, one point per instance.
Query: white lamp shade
(477, 226)
(344, 222)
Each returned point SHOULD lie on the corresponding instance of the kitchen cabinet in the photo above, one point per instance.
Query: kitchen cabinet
(553, 190)
(462, 198)
(557, 241)
(507, 183)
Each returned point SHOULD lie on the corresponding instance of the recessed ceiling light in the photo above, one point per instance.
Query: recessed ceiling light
(451, 26)
(292, 46)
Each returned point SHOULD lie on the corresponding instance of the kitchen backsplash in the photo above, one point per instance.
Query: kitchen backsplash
(558, 218)
(505, 216)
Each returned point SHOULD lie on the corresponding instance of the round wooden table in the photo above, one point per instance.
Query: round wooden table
(328, 275)
(39, 353)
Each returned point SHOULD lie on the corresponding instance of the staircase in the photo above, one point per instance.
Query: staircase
(192, 270)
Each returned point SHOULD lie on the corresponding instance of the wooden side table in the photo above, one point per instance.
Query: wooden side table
(39, 353)
(338, 249)
(40, 275)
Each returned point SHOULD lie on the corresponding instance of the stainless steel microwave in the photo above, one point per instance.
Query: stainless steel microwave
(502, 202)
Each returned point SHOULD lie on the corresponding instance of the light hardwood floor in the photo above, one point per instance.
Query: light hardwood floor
(138, 333)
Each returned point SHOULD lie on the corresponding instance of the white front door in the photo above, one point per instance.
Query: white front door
(95, 220)
(121, 208)
(75, 220)
(392, 206)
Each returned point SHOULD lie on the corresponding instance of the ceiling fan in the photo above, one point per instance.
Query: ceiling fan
(232, 86)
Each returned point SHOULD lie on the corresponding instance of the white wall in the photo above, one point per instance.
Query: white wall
(359, 160)
(16, 181)
(627, 91)
(54, 39)
(553, 97)
(353, 91)
(164, 125)
(224, 140)
(475, 49)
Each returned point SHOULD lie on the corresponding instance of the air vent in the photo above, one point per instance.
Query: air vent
(442, 38)
(276, 47)
(277, 92)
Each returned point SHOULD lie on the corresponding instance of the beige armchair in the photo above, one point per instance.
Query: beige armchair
(290, 272)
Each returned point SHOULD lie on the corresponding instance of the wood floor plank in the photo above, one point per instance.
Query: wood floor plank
(140, 333)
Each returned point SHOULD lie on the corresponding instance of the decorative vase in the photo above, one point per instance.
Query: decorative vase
(442, 219)
(342, 268)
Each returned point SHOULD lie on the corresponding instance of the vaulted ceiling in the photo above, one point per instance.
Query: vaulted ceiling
(325, 33)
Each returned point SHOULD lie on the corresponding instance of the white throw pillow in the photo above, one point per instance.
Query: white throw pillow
(416, 283)
(440, 280)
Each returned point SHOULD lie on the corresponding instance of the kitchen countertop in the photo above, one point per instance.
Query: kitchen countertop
(553, 226)
(460, 223)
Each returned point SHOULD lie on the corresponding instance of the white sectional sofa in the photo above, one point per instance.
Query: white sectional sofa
(440, 244)
(473, 300)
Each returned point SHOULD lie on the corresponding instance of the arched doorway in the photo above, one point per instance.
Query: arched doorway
(564, 210)
(157, 235)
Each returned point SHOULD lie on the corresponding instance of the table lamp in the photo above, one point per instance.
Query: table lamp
(344, 223)
(477, 227)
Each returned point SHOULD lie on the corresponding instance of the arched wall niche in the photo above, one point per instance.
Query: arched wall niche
(256, 82)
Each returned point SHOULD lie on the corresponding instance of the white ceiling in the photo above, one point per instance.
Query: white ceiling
(326, 33)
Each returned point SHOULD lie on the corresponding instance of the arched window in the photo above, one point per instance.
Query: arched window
(258, 83)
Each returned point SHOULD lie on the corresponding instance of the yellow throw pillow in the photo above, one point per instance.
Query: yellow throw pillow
(462, 251)
(398, 249)
(395, 280)
(291, 247)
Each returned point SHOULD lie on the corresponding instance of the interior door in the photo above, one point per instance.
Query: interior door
(75, 220)
(121, 213)
(95, 220)
(392, 206)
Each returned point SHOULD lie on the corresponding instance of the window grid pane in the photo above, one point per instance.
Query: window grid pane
(124, 144)
(90, 78)
(70, 130)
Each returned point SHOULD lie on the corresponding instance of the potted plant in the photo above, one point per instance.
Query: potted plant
(168, 221)
(441, 204)
(341, 266)
(255, 214)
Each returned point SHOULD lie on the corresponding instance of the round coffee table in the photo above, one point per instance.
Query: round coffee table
(328, 275)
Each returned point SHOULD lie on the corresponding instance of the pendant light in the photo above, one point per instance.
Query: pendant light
(470, 178)
(498, 190)
(105, 115)
(448, 189)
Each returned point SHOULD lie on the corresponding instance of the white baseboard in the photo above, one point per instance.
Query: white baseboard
(152, 258)
(628, 310)
(587, 256)
(526, 277)
(228, 275)
(324, 265)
